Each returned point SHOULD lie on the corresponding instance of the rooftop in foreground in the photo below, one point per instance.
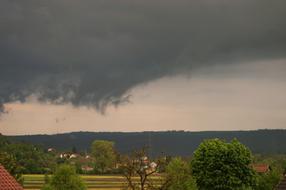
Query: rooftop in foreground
(7, 182)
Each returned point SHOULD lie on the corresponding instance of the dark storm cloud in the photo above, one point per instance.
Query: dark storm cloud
(91, 52)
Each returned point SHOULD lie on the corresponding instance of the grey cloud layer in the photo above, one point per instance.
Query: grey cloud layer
(92, 52)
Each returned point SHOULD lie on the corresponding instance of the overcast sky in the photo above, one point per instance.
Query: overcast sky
(130, 65)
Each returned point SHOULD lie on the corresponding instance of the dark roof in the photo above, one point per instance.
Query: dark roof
(261, 168)
(282, 184)
(7, 182)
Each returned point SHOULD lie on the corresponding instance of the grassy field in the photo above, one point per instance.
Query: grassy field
(93, 182)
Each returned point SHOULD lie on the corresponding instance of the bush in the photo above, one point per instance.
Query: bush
(65, 178)
(268, 180)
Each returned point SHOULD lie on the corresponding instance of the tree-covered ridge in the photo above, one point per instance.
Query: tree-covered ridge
(172, 143)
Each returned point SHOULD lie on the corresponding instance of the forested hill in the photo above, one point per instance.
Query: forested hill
(169, 142)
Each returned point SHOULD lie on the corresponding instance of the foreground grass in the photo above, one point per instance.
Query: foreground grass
(93, 182)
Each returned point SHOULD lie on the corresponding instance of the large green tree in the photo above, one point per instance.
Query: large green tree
(104, 154)
(65, 178)
(219, 165)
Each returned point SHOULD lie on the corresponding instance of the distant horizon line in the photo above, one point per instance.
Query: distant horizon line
(155, 131)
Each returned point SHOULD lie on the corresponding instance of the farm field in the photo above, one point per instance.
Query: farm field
(93, 182)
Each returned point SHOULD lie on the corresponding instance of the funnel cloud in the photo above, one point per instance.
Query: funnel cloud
(91, 53)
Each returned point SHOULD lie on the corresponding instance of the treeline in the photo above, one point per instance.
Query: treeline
(215, 164)
(25, 158)
(171, 143)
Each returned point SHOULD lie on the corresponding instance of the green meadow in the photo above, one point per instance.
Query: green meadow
(93, 182)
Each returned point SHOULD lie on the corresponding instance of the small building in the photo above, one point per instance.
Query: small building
(51, 150)
(87, 156)
(74, 155)
(153, 165)
(65, 155)
(261, 168)
(8, 182)
(87, 168)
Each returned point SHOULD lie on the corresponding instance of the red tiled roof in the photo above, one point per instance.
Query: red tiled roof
(261, 168)
(7, 182)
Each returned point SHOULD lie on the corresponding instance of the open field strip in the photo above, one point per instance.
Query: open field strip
(93, 182)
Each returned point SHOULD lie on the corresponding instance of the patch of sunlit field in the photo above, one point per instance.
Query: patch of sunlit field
(93, 182)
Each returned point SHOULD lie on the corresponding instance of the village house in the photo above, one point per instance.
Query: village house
(87, 156)
(51, 150)
(261, 168)
(87, 169)
(74, 155)
(64, 155)
(69, 155)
